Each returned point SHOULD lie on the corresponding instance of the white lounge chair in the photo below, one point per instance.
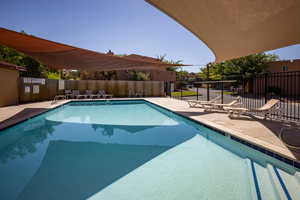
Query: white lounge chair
(220, 106)
(76, 94)
(89, 93)
(68, 94)
(140, 94)
(270, 107)
(130, 93)
(101, 93)
(200, 104)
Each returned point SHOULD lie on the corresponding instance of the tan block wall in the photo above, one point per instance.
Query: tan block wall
(9, 85)
(114, 87)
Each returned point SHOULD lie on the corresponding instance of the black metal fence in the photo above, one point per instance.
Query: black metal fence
(284, 86)
(254, 92)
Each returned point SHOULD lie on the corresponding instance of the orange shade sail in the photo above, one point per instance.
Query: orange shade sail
(235, 28)
(62, 56)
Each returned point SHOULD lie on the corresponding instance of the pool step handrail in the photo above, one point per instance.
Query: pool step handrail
(57, 98)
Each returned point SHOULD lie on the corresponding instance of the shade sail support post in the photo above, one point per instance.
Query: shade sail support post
(266, 86)
(207, 78)
(222, 85)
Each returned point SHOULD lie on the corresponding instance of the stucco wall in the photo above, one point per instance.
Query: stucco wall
(8, 87)
(277, 66)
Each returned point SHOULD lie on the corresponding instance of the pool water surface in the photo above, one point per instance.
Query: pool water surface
(133, 150)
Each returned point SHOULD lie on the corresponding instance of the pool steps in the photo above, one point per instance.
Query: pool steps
(297, 176)
(265, 183)
(269, 182)
(252, 181)
(276, 183)
(291, 183)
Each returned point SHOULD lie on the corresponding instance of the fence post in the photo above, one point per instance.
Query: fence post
(180, 91)
(222, 94)
(266, 87)
(197, 93)
(169, 89)
(222, 85)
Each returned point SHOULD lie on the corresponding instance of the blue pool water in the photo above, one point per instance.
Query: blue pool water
(133, 150)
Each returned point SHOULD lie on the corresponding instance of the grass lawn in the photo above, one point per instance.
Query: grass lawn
(226, 92)
(185, 93)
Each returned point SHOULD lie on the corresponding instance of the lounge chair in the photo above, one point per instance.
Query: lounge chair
(220, 106)
(68, 94)
(139, 94)
(89, 93)
(200, 104)
(101, 93)
(130, 93)
(76, 94)
(270, 107)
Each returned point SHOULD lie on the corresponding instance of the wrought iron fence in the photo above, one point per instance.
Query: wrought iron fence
(284, 86)
(254, 92)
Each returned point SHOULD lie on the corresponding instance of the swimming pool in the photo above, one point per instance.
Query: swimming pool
(133, 150)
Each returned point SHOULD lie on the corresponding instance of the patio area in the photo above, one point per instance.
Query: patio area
(261, 133)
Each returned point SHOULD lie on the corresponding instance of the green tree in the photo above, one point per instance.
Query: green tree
(243, 67)
(182, 75)
(108, 75)
(33, 67)
(10, 55)
(71, 74)
(162, 58)
(139, 76)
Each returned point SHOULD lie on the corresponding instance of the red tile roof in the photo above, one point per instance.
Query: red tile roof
(11, 66)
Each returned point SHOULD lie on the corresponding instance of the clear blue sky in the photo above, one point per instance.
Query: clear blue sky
(124, 26)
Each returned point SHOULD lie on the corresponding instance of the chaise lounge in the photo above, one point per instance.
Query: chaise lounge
(200, 104)
(89, 93)
(76, 94)
(270, 107)
(102, 93)
(220, 106)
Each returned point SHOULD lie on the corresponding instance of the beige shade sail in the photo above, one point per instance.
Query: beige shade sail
(235, 28)
(62, 56)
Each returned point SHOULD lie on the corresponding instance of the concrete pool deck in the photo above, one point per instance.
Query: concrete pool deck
(262, 133)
